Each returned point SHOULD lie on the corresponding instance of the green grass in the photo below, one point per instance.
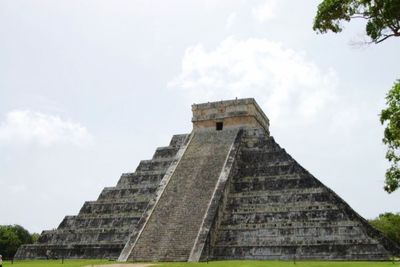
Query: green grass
(55, 263)
(80, 263)
(282, 264)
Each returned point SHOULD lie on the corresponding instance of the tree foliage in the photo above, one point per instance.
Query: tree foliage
(382, 16)
(383, 21)
(389, 225)
(391, 117)
(11, 237)
(35, 237)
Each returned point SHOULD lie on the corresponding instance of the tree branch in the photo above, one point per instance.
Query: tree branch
(360, 16)
(384, 38)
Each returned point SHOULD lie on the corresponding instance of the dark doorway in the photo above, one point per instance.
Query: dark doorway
(219, 126)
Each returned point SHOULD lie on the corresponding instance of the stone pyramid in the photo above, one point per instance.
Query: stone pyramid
(227, 190)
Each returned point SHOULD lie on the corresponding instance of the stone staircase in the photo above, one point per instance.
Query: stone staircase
(277, 210)
(171, 230)
(102, 227)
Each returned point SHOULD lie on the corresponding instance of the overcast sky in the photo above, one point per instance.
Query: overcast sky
(90, 88)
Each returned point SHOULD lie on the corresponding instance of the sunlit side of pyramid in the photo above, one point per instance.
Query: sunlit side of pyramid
(227, 190)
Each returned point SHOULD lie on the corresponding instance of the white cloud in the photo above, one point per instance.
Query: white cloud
(25, 126)
(283, 80)
(230, 20)
(265, 11)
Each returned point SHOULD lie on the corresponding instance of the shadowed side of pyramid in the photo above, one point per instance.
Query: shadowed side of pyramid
(275, 209)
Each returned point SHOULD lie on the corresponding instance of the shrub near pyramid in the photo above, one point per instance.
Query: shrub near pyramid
(227, 190)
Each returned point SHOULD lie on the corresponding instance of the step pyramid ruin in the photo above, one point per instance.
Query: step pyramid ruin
(227, 190)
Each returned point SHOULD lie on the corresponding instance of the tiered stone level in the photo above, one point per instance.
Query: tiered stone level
(102, 227)
(225, 191)
(277, 210)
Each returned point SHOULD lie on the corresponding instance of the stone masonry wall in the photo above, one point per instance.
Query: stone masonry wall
(277, 210)
(233, 113)
(102, 227)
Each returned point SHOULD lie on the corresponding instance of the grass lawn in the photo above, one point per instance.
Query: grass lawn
(80, 263)
(282, 264)
(54, 263)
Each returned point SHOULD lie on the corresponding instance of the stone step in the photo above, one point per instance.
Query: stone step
(113, 215)
(306, 236)
(296, 216)
(154, 165)
(284, 164)
(139, 194)
(260, 142)
(125, 228)
(268, 178)
(260, 157)
(274, 193)
(91, 207)
(287, 207)
(175, 222)
(86, 230)
(167, 152)
(288, 240)
(275, 184)
(84, 236)
(128, 200)
(287, 252)
(278, 199)
(113, 221)
(178, 140)
(139, 186)
(272, 170)
(129, 179)
(150, 172)
(291, 225)
(70, 251)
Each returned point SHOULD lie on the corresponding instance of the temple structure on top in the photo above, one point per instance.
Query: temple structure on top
(229, 114)
(226, 190)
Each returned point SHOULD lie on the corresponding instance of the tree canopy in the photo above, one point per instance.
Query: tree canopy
(383, 22)
(389, 225)
(11, 237)
(382, 17)
(391, 117)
